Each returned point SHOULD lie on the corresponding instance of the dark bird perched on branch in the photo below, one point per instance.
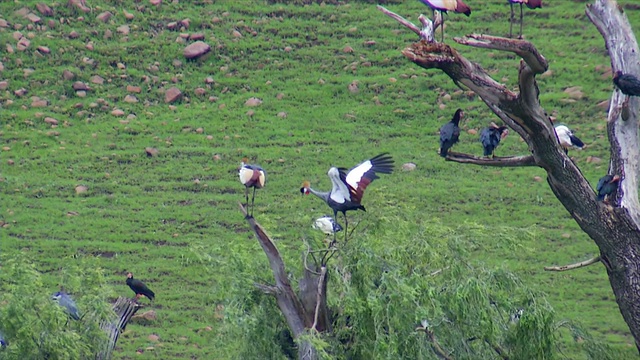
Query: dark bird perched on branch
(607, 185)
(446, 5)
(567, 139)
(531, 4)
(450, 132)
(251, 176)
(627, 83)
(139, 288)
(490, 137)
(63, 299)
(327, 225)
(348, 188)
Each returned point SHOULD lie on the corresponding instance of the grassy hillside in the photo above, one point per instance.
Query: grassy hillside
(173, 220)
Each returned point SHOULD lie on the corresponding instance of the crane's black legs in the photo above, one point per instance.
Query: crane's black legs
(346, 227)
(511, 21)
(253, 199)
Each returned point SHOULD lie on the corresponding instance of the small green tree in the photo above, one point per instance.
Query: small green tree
(38, 328)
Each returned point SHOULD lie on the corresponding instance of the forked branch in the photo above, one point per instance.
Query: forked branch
(580, 264)
(508, 161)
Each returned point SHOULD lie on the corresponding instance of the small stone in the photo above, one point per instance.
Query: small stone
(44, 50)
(123, 29)
(236, 34)
(472, 131)
(537, 178)
(151, 151)
(254, 101)
(134, 89)
(89, 46)
(81, 189)
(594, 159)
(74, 35)
(288, 49)
(347, 49)
(172, 95)
(353, 87)
(130, 99)
(96, 79)
(153, 338)
(79, 85)
(3, 23)
(209, 80)
(81, 93)
(196, 49)
(104, 16)
(127, 15)
(282, 114)
(4, 84)
(68, 75)
(117, 112)
(51, 121)
(155, 2)
(251, 113)
(196, 36)
(408, 166)
(370, 42)
(20, 92)
(33, 18)
(603, 104)
(566, 235)
(199, 91)
(40, 103)
(23, 44)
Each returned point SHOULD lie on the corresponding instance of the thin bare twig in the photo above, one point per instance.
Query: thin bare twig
(435, 345)
(574, 266)
(323, 273)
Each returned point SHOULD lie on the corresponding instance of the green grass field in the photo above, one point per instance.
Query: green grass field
(173, 219)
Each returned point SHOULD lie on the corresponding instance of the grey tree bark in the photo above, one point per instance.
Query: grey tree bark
(614, 228)
(124, 308)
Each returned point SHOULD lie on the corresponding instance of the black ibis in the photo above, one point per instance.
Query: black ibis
(251, 176)
(446, 5)
(627, 83)
(139, 288)
(607, 185)
(567, 139)
(450, 132)
(490, 137)
(327, 225)
(63, 299)
(531, 4)
(348, 188)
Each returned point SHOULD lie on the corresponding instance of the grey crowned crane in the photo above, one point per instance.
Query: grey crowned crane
(450, 132)
(446, 5)
(63, 299)
(348, 187)
(251, 176)
(139, 288)
(607, 185)
(567, 139)
(627, 83)
(327, 225)
(531, 4)
(490, 138)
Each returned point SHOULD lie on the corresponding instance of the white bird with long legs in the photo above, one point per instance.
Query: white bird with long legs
(251, 176)
(348, 188)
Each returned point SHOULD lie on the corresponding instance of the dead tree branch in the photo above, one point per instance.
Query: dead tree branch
(573, 266)
(508, 161)
(124, 309)
(435, 345)
(323, 273)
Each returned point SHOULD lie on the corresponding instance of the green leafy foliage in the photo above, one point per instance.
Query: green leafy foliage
(36, 327)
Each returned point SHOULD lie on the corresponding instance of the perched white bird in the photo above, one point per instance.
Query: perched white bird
(327, 225)
(567, 139)
(251, 176)
(348, 188)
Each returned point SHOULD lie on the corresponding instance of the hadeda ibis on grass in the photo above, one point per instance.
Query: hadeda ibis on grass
(139, 288)
(63, 299)
(450, 132)
(446, 5)
(251, 176)
(531, 4)
(607, 185)
(327, 225)
(490, 138)
(567, 139)
(627, 83)
(348, 187)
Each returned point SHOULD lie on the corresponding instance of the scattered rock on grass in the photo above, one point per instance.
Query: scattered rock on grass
(172, 95)
(196, 49)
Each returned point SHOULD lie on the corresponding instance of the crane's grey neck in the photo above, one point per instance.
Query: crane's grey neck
(322, 195)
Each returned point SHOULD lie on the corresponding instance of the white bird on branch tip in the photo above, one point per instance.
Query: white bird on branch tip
(348, 188)
(567, 139)
(327, 225)
(251, 176)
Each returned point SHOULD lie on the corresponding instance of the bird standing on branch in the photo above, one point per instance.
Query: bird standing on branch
(139, 288)
(627, 83)
(607, 185)
(63, 299)
(567, 139)
(348, 188)
(490, 137)
(251, 176)
(327, 225)
(446, 5)
(531, 4)
(450, 132)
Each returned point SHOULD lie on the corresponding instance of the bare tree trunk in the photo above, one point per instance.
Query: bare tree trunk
(124, 308)
(615, 229)
(311, 312)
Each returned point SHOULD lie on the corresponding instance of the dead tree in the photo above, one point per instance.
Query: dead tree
(305, 312)
(124, 309)
(615, 228)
